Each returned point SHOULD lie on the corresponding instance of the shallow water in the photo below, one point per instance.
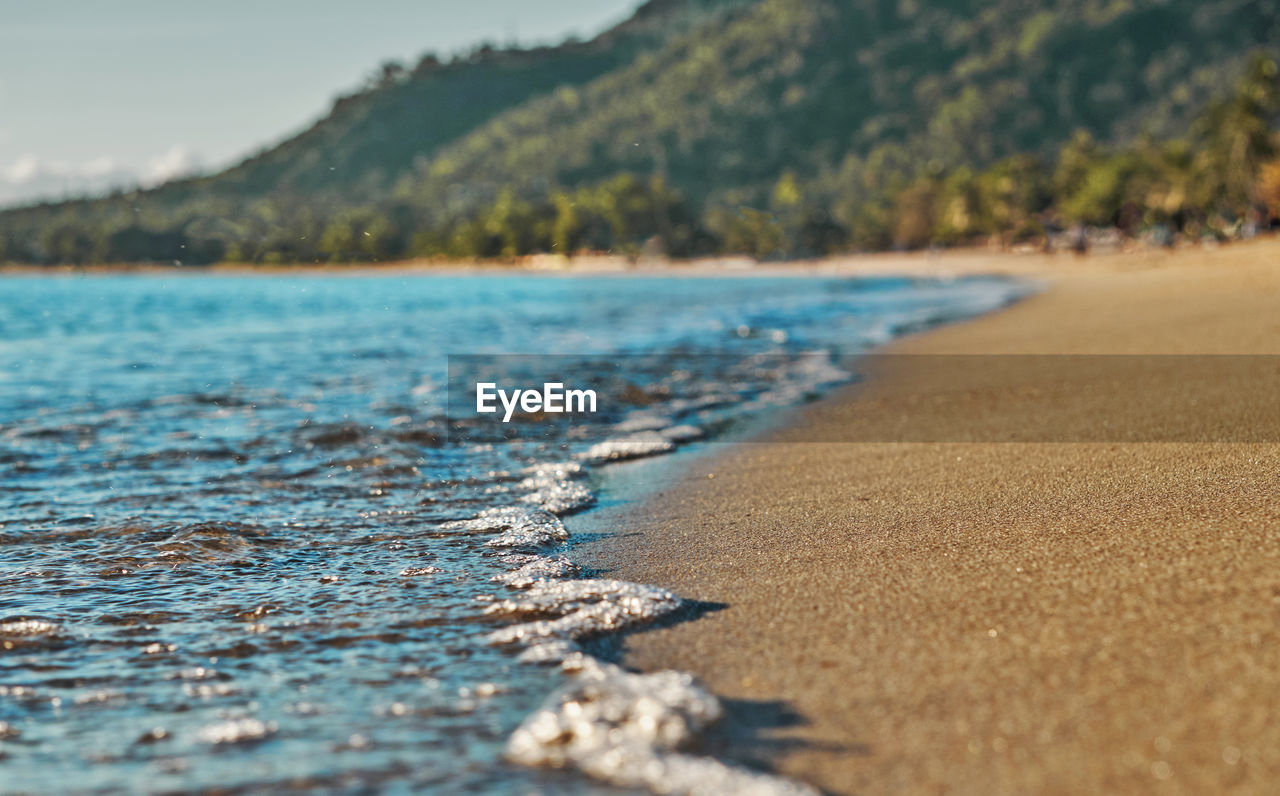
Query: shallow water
(241, 547)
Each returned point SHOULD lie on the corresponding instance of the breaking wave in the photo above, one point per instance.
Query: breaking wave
(619, 727)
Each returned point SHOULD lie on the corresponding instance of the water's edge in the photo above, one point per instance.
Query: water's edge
(251, 543)
(626, 493)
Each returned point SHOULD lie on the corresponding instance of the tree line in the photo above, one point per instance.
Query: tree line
(1220, 179)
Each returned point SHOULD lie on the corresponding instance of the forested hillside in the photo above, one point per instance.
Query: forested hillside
(371, 138)
(800, 84)
(774, 127)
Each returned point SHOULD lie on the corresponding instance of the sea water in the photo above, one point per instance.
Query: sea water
(243, 550)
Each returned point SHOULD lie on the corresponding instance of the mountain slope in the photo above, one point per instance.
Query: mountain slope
(372, 137)
(723, 113)
(800, 84)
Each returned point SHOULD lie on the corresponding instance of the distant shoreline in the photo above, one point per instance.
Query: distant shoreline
(947, 262)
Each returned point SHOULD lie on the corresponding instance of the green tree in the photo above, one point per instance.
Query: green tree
(1235, 138)
(915, 214)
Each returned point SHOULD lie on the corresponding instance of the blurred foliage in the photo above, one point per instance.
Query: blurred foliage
(775, 128)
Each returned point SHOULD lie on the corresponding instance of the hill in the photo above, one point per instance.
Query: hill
(704, 123)
(801, 85)
(374, 136)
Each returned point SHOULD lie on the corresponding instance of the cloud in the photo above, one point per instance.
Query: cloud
(178, 161)
(29, 169)
(30, 178)
(24, 169)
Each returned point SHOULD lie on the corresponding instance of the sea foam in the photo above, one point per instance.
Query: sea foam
(581, 609)
(534, 529)
(634, 446)
(627, 729)
(615, 726)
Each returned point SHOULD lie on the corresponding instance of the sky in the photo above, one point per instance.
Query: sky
(98, 93)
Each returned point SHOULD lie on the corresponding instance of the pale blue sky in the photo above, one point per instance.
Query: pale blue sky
(96, 91)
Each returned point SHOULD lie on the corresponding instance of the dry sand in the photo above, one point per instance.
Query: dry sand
(996, 617)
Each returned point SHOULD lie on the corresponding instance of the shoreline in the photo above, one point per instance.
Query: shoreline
(958, 261)
(990, 617)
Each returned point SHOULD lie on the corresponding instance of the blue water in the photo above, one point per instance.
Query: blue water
(213, 486)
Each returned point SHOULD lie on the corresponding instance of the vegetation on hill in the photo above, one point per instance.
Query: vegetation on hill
(772, 127)
(373, 136)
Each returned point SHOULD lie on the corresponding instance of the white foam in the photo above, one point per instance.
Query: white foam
(641, 421)
(554, 470)
(412, 572)
(498, 518)
(558, 497)
(237, 731)
(209, 690)
(798, 379)
(626, 729)
(581, 608)
(622, 728)
(682, 433)
(538, 570)
(634, 446)
(551, 487)
(28, 627)
(554, 650)
(535, 528)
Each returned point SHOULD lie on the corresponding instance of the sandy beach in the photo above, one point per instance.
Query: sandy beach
(979, 617)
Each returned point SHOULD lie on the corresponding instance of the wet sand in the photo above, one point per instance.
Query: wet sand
(980, 617)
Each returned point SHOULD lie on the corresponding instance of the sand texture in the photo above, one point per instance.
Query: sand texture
(999, 617)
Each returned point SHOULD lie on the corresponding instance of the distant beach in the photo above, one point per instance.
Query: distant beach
(950, 262)
(1051, 617)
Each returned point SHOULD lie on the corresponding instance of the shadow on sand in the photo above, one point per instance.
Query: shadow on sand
(752, 731)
